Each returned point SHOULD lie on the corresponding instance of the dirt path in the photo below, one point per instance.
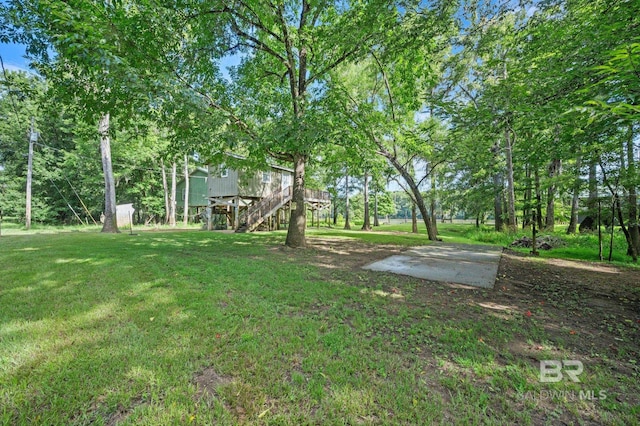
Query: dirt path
(598, 302)
(588, 311)
(538, 309)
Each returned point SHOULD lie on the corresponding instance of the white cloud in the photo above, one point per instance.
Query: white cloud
(13, 67)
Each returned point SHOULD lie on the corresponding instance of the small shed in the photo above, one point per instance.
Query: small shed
(124, 215)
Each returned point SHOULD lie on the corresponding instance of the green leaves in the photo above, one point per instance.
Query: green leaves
(620, 77)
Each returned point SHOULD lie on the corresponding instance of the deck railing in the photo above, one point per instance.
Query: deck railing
(316, 195)
(257, 213)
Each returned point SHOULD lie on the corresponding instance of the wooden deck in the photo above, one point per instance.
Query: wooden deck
(257, 213)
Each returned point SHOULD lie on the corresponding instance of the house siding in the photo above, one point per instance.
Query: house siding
(222, 186)
(255, 187)
(244, 184)
(197, 189)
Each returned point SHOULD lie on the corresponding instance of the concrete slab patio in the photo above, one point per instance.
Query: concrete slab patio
(455, 263)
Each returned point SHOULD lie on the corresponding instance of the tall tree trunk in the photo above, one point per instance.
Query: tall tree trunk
(555, 169)
(592, 202)
(335, 214)
(497, 202)
(376, 222)
(505, 209)
(631, 184)
(434, 197)
(32, 138)
(511, 192)
(409, 179)
(172, 205)
(110, 219)
(347, 225)
(414, 219)
(590, 223)
(631, 249)
(498, 189)
(599, 225)
(185, 220)
(575, 198)
(165, 188)
(538, 217)
(298, 223)
(526, 210)
(366, 226)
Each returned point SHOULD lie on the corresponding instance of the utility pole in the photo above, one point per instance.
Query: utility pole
(33, 137)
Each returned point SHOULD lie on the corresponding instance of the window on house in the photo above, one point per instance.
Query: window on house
(224, 172)
(286, 180)
(266, 177)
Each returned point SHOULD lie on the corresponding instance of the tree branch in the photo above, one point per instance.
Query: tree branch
(235, 120)
(473, 99)
(257, 44)
(291, 63)
(337, 62)
(279, 155)
(431, 169)
(408, 192)
(302, 53)
(386, 83)
(256, 23)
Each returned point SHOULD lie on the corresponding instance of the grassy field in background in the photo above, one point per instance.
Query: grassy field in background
(577, 246)
(211, 328)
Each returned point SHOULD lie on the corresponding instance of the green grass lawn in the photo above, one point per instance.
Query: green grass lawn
(210, 328)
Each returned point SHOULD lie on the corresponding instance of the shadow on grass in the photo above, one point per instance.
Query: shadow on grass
(103, 329)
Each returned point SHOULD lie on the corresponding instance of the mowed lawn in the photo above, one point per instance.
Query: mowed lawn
(211, 328)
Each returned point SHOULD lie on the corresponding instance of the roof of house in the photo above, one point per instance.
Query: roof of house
(199, 169)
(273, 166)
(191, 172)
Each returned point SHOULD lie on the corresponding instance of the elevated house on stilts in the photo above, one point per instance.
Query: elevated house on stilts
(248, 200)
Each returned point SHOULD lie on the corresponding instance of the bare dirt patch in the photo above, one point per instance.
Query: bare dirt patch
(347, 253)
(208, 381)
(122, 413)
(584, 311)
(591, 299)
(592, 306)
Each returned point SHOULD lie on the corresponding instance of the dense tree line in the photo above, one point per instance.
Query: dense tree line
(524, 111)
(67, 175)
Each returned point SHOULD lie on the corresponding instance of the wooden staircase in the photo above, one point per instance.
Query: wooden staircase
(257, 213)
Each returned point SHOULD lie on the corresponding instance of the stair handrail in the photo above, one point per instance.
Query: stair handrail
(265, 205)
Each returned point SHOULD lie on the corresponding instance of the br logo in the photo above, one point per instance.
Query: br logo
(552, 371)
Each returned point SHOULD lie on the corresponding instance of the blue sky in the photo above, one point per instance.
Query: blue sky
(13, 56)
